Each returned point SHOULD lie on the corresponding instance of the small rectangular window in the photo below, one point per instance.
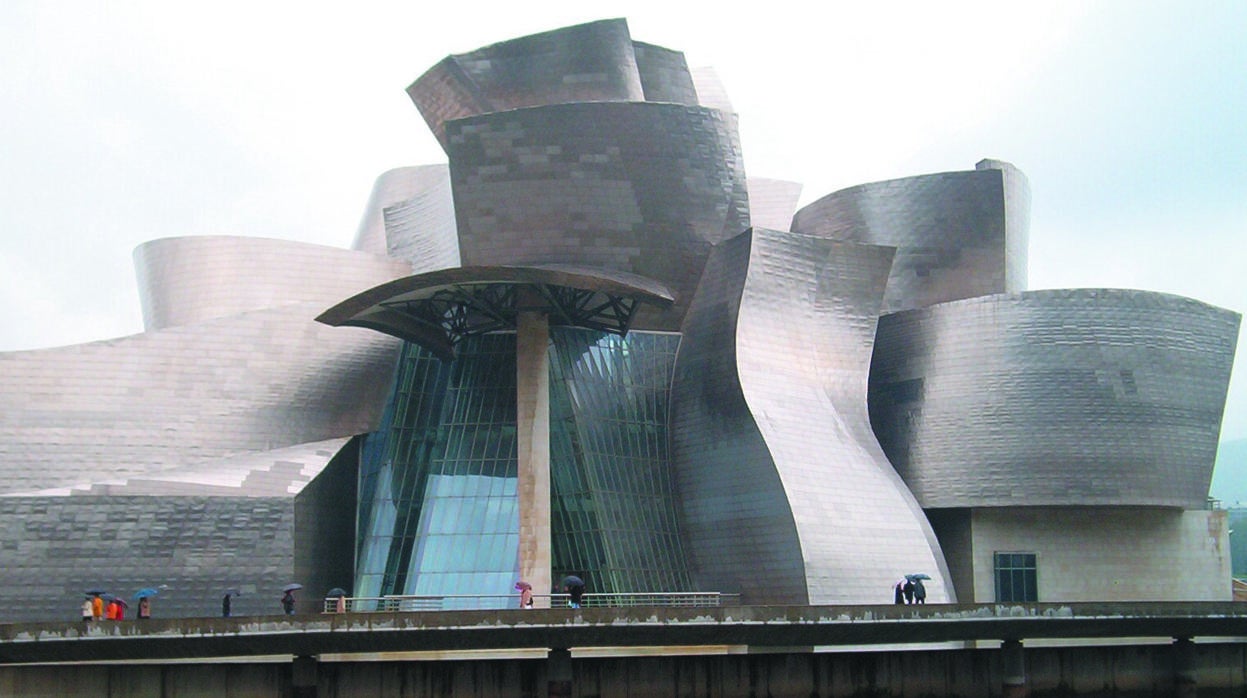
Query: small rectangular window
(1016, 578)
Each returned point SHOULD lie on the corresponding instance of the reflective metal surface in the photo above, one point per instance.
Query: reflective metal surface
(785, 494)
(187, 280)
(957, 234)
(1075, 396)
(644, 188)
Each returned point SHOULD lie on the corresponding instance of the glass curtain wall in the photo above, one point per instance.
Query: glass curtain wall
(613, 507)
(438, 510)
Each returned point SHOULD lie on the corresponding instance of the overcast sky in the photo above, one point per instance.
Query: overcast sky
(129, 121)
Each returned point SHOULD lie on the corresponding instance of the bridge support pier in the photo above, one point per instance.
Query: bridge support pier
(1184, 681)
(559, 674)
(1013, 670)
(304, 677)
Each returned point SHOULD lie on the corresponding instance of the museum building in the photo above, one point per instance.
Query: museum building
(589, 344)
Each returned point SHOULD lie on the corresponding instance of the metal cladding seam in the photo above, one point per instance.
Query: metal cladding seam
(1055, 397)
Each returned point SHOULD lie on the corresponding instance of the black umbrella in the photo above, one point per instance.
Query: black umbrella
(336, 591)
(233, 592)
(572, 580)
(292, 587)
(96, 592)
(916, 577)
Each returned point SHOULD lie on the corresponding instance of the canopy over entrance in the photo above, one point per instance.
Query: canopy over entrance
(436, 309)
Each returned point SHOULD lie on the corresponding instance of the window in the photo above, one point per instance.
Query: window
(1015, 577)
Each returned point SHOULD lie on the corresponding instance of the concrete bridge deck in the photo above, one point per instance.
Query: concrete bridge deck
(639, 627)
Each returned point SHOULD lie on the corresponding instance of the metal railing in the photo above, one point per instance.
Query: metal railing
(473, 602)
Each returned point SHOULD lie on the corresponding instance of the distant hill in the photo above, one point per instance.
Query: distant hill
(1229, 477)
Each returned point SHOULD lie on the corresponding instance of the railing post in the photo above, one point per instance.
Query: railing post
(1013, 669)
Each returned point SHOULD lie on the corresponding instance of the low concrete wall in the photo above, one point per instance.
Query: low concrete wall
(1120, 671)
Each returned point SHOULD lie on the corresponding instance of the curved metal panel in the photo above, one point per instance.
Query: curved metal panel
(169, 399)
(187, 280)
(590, 62)
(410, 215)
(958, 234)
(644, 188)
(664, 74)
(1062, 397)
(778, 468)
(772, 202)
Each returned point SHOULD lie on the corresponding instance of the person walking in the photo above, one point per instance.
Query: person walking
(145, 608)
(898, 592)
(920, 592)
(908, 590)
(575, 588)
(526, 594)
(88, 611)
(97, 607)
(225, 604)
(287, 602)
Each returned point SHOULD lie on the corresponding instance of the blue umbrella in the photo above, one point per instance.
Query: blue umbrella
(145, 592)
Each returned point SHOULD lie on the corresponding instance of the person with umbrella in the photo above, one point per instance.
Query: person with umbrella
(526, 594)
(97, 603)
(920, 591)
(225, 601)
(340, 594)
(116, 608)
(287, 598)
(575, 588)
(144, 597)
(88, 610)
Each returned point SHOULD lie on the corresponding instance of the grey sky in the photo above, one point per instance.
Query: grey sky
(129, 121)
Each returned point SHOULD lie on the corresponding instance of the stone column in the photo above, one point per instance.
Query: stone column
(532, 411)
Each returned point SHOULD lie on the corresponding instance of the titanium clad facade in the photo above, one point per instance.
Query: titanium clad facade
(183, 281)
(957, 234)
(428, 186)
(664, 74)
(643, 188)
(772, 203)
(591, 62)
(171, 398)
(55, 548)
(710, 90)
(421, 230)
(785, 494)
(1094, 397)
(281, 472)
